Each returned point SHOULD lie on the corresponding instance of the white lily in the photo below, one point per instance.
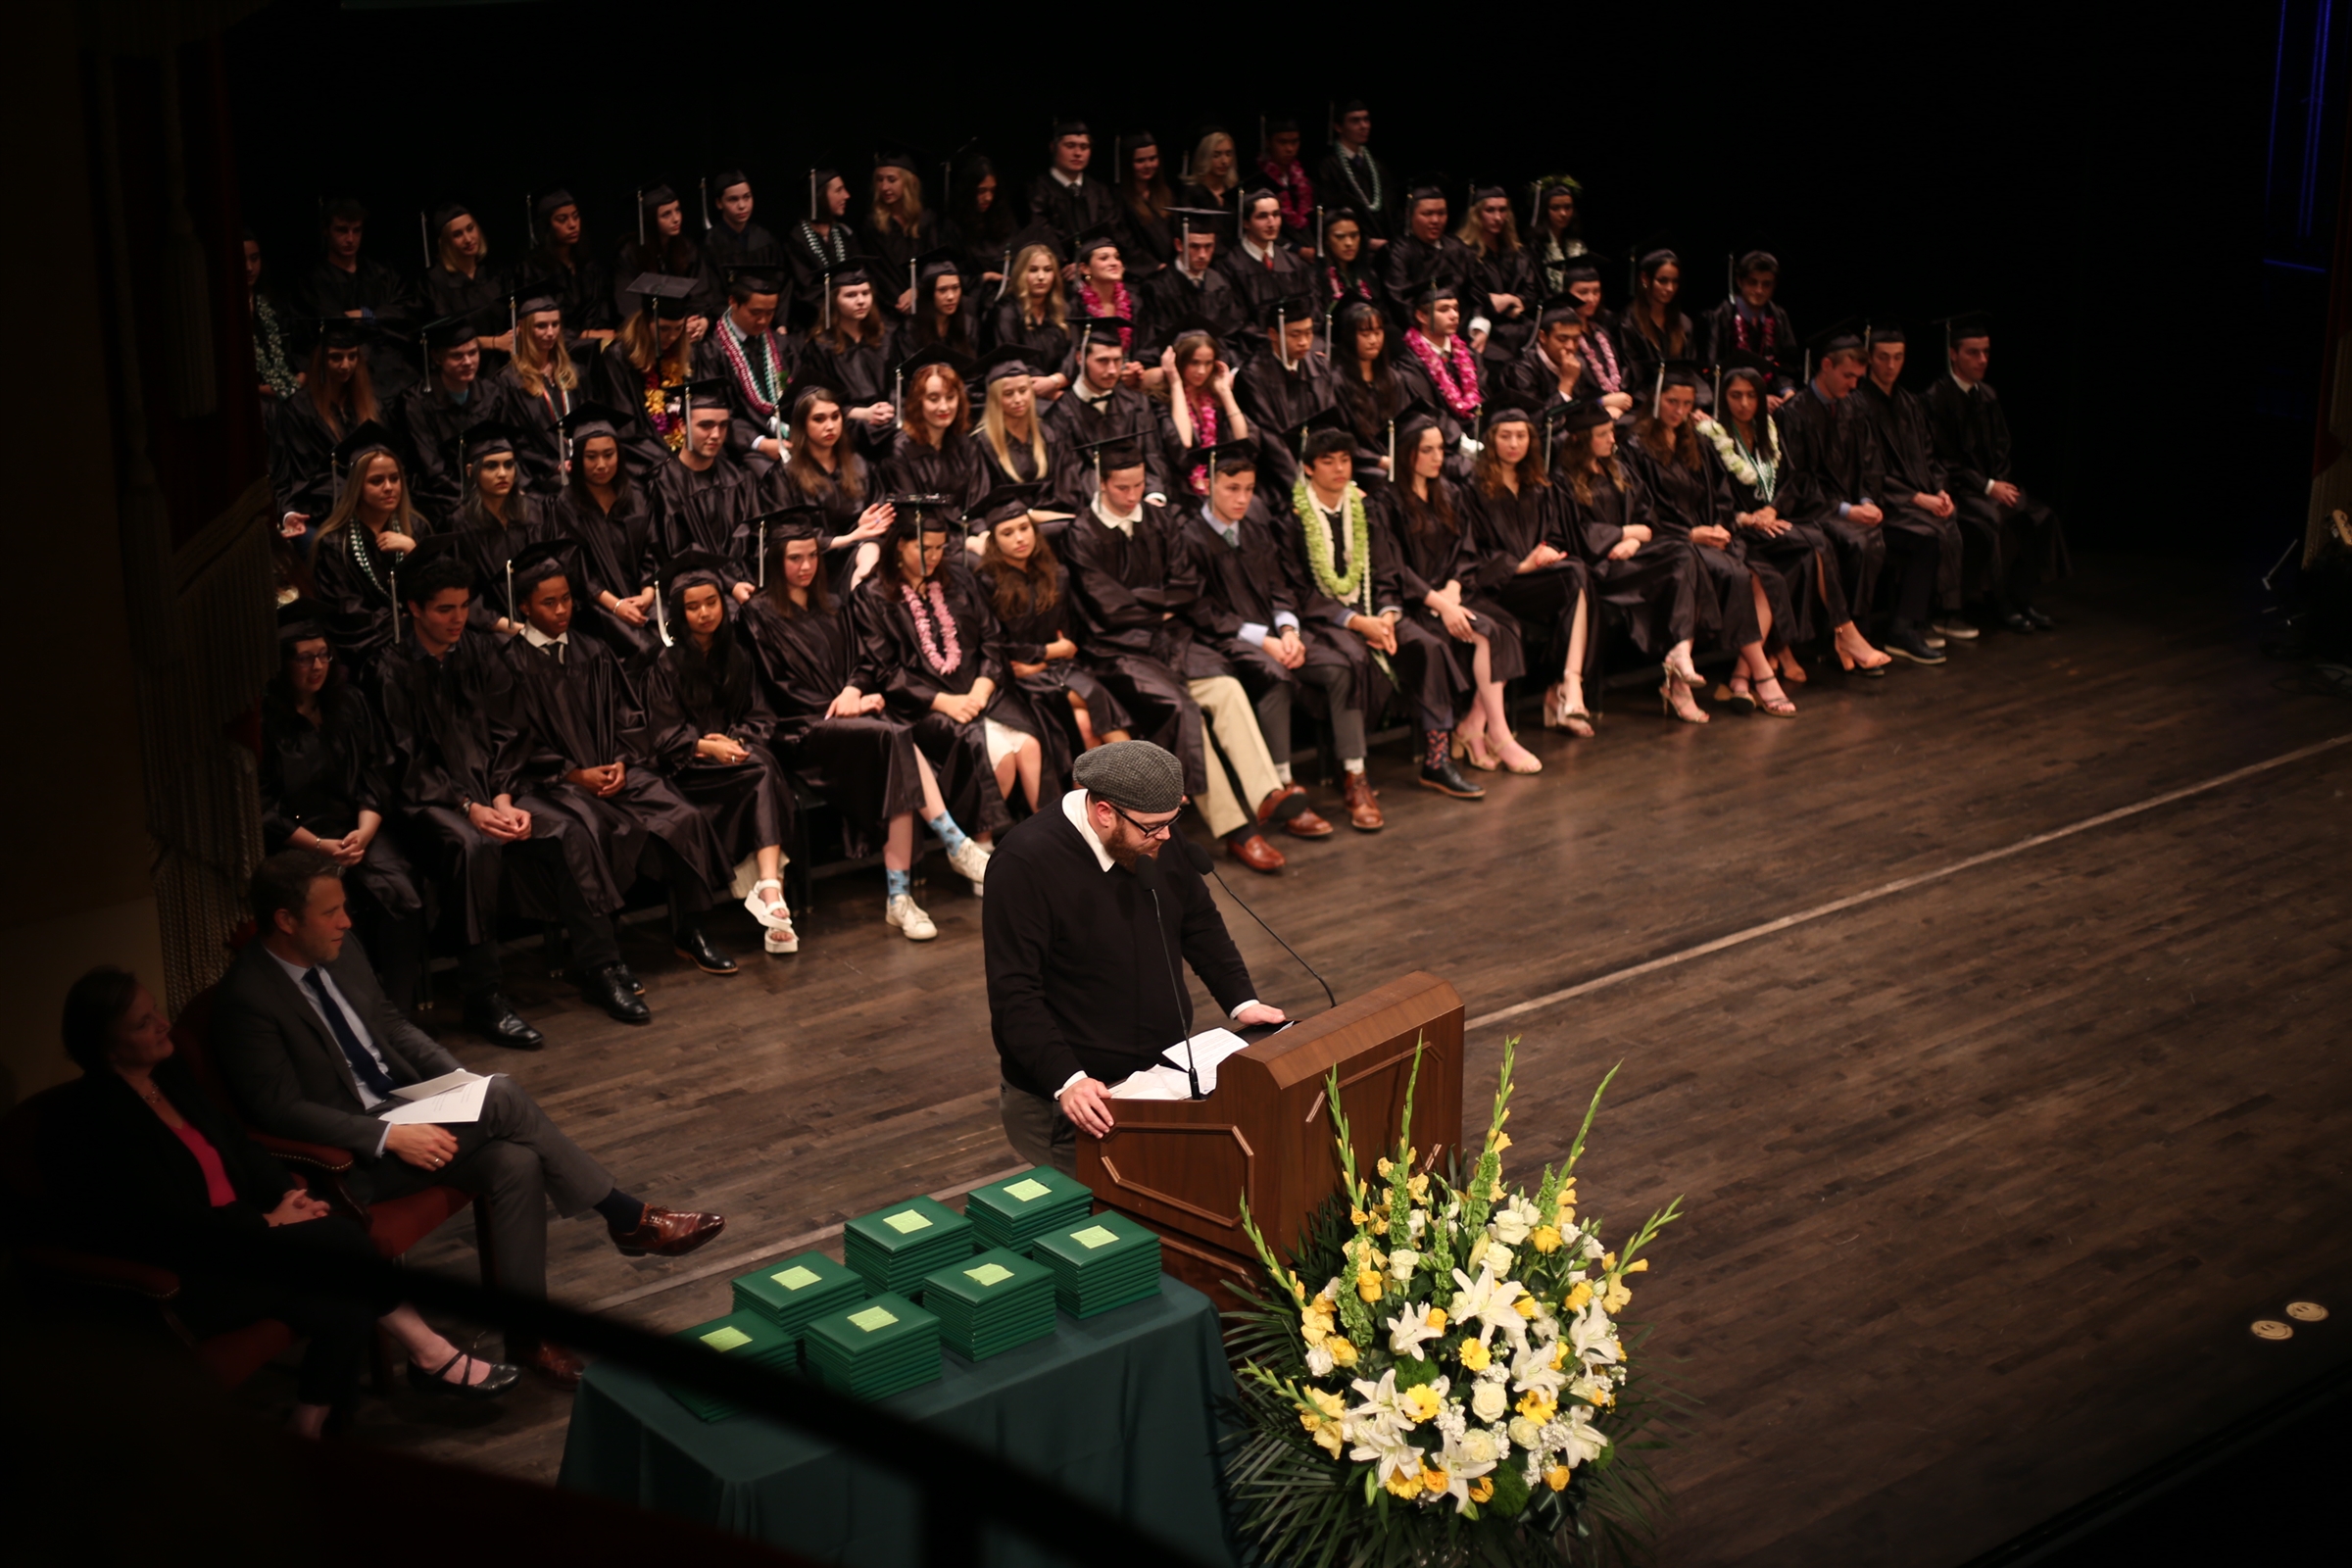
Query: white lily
(1574, 1437)
(1394, 1455)
(1531, 1369)
(1383, 1415)
(1488, 1302)
(1593, 1338)
(1409, 1329)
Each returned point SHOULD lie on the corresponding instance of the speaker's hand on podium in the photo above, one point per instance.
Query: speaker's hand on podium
(1087, 1102)
(1255, 1013)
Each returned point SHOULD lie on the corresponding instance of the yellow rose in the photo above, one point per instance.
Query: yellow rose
(1423, 1403)
(1342, 1352)
(1367, 1283)
(1525, 1307)
(1578, 1298)
(1436, 1318)
(1545, 1238)
(1482, 1490)
(1556, 1478)
(1404, 1486)
(1436, 1479)
(1474, 1356)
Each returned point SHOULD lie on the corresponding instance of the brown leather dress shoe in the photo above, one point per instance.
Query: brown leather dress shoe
(556, 1364)
(1258, 854)
(666, 1232)
(1282, 805)
(1363, 806)
(1308, 825)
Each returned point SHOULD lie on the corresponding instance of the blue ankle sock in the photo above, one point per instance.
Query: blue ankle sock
(894, 883)
(949, 833)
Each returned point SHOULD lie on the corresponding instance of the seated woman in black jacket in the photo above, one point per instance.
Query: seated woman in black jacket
(161, 1174)
(1030, 591)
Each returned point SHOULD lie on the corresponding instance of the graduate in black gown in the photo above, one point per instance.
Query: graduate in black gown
(357, 287)
(1102, 407)
(736, 241)
(1832, 478)
(1749, 322)
(1554, 238)
(1746, 441)
(832, 728)
(1655, 580)
(640, 373)
(1500, 284)
(1102, 291)
(897, 229)
(1029, 589)
(321, 788)
(1351, 177)
(1550, 371)
(605, 513)
(1914, 485)
(932, 452)
(1284, 385)
(455, 777)
(1607, 371)
(453, 398)
(1190, 294)
(497, 520)
(1743, 602)
(1146, 236)
(826, 470)
(1367, 392)
(372, 526)
(1436, 366)
(819, 245)
(943, 312)
(1067, 199)
(1246, 613)
(1017, 446)
(2013, 540)
(1651, 329)
(1444, 570)
(708, 728)
(541, 383)
(704, 500)
(935, 644)
(851, 349)
(1423, 258)
(1346, 579)
(586, 748)
(1345, 272)
(984, 216)
(1535, 574)
(745, 353)
(1034, 315)
(1262, 265)
(565, 269)
(337, 396)
(461, 281)
(1198, 405)
(661, 245)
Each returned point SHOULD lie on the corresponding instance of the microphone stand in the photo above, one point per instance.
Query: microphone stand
(1159, 929)
(1198, 859)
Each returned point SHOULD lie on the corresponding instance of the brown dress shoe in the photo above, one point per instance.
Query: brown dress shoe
(1363, 806)
(554, 1364)
(1258, 854)
(1282, 805)
(1308, 825)
(666, 1232)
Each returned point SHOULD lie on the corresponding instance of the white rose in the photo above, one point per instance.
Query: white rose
(1320, 1361)
(1490, 1402)
(1477, 1447)
(1498, 1258)
(1401, 1263)
(1514, 1222)
(1524, 1431)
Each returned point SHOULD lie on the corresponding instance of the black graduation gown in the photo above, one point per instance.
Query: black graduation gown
(1411, 265)
(1812, 590)
(1728, 329)
(897, 250)
(894, 650)
(431, 421)
(1643, 355)
(622, 387)
(576, 711)
(1082, 421)
(351, 580)
(957, 468)
(539, 445)
(810, 253)
(1281, 276)
(1125, 590)
(1422, 671)
(677, 258)
(1658, 584)
(1046, 347)
(1507, 528)
(708, 509)
(748, 804)
(1429, 556)
(1245, 585)
(750, 246)
(1368, 411)
(1511, 272)
(456, 735)
(1148, 240)
(1279, 399)
(1362, 182)
(1059, 472)
(448, 293)
(580, 285)
(388, 300)
(1026, 635)
(1898, 423)
(841, 510)
(486, 547)
(1071, 210)
(1336, 285)
(1172, 297)
(756, 406)
(619, 555)
(1682, 499)
(2010, 548)
(301, 458)
(863, 766)
(1827, 458)
(858, 369)
(321, 777)
(1414, 382)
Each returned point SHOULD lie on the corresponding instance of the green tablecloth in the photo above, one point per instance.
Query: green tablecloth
(1117, 1408)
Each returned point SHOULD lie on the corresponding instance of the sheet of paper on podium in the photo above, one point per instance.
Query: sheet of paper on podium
(1166, 1079)
(454, 1097)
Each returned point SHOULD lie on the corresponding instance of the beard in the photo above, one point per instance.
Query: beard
(1124, 852)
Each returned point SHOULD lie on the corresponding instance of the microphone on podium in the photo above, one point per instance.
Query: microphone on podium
(1147, 871)
(1197, 859)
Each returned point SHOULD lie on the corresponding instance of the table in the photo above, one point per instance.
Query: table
(1120, 1408)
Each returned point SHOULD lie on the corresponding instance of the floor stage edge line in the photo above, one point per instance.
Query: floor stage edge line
(1900, 885)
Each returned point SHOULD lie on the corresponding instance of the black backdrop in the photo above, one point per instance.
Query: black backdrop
(2098, 189)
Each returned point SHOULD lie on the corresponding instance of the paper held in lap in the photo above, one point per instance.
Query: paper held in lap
(1165, 1079)
(453, 1096)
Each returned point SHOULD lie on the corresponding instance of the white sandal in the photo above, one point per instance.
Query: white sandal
(775, 916)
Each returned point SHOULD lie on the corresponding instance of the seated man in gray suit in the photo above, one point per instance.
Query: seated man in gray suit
(313, 1051)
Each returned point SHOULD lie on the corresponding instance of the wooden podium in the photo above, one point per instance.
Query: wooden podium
(1183, 1166)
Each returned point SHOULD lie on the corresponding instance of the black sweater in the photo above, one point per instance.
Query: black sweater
(1073, 984)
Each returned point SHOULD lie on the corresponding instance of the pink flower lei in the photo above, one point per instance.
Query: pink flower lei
(1205, 434)
(943, 660)
(1119, 307)
(1459, 386)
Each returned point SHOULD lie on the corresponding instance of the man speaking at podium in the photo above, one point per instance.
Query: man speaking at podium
(1083, 928)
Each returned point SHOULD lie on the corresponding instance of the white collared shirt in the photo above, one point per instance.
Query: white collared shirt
(1067, 181)
(298, 974)
(1124, 524)
(539, 639)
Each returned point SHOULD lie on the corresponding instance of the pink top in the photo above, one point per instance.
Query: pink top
(216, 1175)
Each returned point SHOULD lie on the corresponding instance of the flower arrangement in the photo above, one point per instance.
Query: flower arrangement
(1441, 1379)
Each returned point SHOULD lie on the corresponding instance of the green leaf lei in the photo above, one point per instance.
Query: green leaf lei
(1345, 588)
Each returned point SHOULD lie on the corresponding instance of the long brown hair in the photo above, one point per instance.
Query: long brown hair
(1486, 470)
(779, 592)
(407, 519)
(364, 406)
(908, 218)
(1185, 344)
(1678, 445)
(535, 373)
(916, 426)
(801, 468)
(1019, 590)
(1576, 451)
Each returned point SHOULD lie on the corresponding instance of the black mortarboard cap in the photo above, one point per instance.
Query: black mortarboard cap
(536, 302)
(1682, 373)
(1740, 362)
(680, 570)
(548, 557)
(1586, 266)
(447, 214)
(1967, 323)
(369, 437)
(1887, 332)
(909, 512)
(805, 520)
(666, 296)
(1755, 262)
(487, 439)
(1069, 127)
(344, 331)
(1213, 455)
(1654, 255)
(1584, 414)
(1104, 329)
(1288, 307)
(1113, 451)
(1844, 334)
(935, 264)
(1034, 235)
(895, 158)
(591, 419)
(767, 273)
(937, 354)
(727, 179)
(1438, 289)
(1506, 410)
(708, 391)
(302, 621)
(1559, 307)
(450, 331)
(553, 202)
(432, 567)
(1005, 359)
(1320, 433)
(1007, 502)
(1102, 236)
(655, 198)
(852, 270)
(1427, 187)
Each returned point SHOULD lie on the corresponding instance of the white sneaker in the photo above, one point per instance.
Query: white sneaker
(970, 861)
(905, 913)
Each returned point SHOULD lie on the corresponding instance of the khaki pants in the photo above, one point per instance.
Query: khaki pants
(1232, 722)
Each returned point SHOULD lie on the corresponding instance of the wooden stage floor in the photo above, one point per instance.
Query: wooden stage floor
(1988, 1165)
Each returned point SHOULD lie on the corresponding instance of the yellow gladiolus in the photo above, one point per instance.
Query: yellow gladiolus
(1502, 1141)
(1380, 1222)
(1608, 1261)
(1383, 1167)
(1556, 1478)
(1474, 1356)
(1418, 1188)
(1579, 1297)
(1545, 1239)
(1616, 1297)
(1342, 1352)
(1357, 1217)
(1482, 1490)
(1637, 1265)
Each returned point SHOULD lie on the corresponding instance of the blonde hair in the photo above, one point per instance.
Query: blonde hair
(1473, 234)
(1205, 150)
(641, 337)
(910, 204)
(449, 253)
(992, 426)
(1058, 309)
(535, 373)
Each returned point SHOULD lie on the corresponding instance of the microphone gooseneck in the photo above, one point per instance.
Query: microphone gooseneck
(1147, 871)
(1201, 862)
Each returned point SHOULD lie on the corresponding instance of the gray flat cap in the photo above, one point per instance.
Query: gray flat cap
(1134, 774)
